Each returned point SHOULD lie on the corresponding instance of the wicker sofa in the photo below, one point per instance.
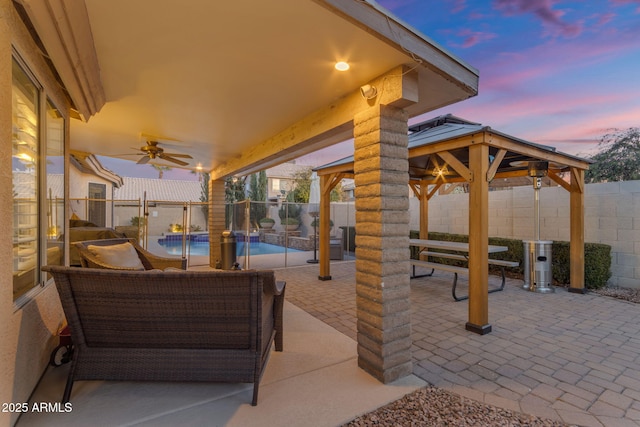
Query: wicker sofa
(170, 325)
(89, 258)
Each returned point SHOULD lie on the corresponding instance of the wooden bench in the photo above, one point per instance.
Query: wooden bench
(456, 269)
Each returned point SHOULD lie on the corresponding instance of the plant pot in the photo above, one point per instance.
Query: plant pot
(291, 227)
(266, 225)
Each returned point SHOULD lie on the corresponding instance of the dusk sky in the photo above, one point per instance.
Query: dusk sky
(559, 73)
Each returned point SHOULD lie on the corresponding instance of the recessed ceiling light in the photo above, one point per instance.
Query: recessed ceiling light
(342, 66)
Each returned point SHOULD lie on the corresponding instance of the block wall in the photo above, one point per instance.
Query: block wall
(612, 216)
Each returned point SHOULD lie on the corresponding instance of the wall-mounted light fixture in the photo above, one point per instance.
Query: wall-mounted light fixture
(368, 91)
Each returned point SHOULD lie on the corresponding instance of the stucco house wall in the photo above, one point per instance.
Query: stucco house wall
(27, 332)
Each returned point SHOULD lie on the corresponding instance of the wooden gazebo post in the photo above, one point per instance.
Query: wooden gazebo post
(327, 183)
(576, 245)
(325, 212)
(478, 240)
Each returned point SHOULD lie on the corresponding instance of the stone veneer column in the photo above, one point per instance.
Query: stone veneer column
(216, 219)
(382, 242)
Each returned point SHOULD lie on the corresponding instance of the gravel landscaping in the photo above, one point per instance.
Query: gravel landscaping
(432, 406)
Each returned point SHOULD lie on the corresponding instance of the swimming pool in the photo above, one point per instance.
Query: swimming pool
(202, 248)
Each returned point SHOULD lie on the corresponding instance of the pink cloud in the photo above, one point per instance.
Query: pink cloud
(625, 2)
(543, 9)
(605, 18)
(458, 5)
(471, 38)
(570, 120)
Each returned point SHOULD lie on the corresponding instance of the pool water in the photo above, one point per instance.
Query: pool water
(202, 248)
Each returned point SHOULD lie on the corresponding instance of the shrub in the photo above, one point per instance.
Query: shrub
(138, 221)
(290, 221)
(316, 222)
(267, 221)
(597, 258)
(289, 210)
(597, 263)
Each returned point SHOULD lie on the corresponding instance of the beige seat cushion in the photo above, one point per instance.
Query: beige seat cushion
(120, 255)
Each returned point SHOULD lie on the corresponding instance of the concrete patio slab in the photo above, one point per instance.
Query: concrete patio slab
(315, 381)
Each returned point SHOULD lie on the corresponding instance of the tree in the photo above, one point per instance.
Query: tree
(301, 187)
(258, 194)
(618, 158)
(234, 192)
(204, 194)
(161, 170)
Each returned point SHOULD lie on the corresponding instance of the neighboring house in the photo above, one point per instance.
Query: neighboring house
(281, 179)
(90, 185)
(167, 190)
(169, 202)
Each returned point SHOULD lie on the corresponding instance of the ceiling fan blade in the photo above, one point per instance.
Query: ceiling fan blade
(186, 156)
(143, 160)
(171, 159)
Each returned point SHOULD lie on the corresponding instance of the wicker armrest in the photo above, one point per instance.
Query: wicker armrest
(158, 262)
(149, 260)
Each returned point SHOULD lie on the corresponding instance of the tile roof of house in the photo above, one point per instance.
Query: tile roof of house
(158, 189)
(89, 164)
(286, 170)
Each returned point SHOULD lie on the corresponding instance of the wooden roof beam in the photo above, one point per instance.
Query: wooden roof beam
(323, 128)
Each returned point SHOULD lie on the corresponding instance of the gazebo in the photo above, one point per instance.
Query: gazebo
(448, 149)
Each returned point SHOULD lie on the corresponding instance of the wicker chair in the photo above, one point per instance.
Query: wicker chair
(170, 325)
(149, 260)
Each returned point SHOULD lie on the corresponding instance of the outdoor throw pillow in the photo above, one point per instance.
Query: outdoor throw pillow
(120, 255)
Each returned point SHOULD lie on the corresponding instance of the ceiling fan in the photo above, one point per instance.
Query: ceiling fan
(152, 151)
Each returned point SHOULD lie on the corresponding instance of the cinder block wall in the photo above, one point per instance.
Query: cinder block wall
(612, 216)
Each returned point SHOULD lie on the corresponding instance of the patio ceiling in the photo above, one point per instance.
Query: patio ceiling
(239, 86)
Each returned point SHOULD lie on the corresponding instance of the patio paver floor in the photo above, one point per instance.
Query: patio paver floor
(562, 356)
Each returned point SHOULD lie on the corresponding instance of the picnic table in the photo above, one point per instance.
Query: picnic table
(435, 248)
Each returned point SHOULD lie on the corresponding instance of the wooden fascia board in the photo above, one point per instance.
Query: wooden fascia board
(346, 168)
(378, 23)
(501, 142)
(312, 132)
(64, 29)
(448, 145)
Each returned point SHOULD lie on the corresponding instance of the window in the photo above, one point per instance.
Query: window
(54, 183)
(24, 164)
(275, 184)
(38, 181)
(97, 204)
